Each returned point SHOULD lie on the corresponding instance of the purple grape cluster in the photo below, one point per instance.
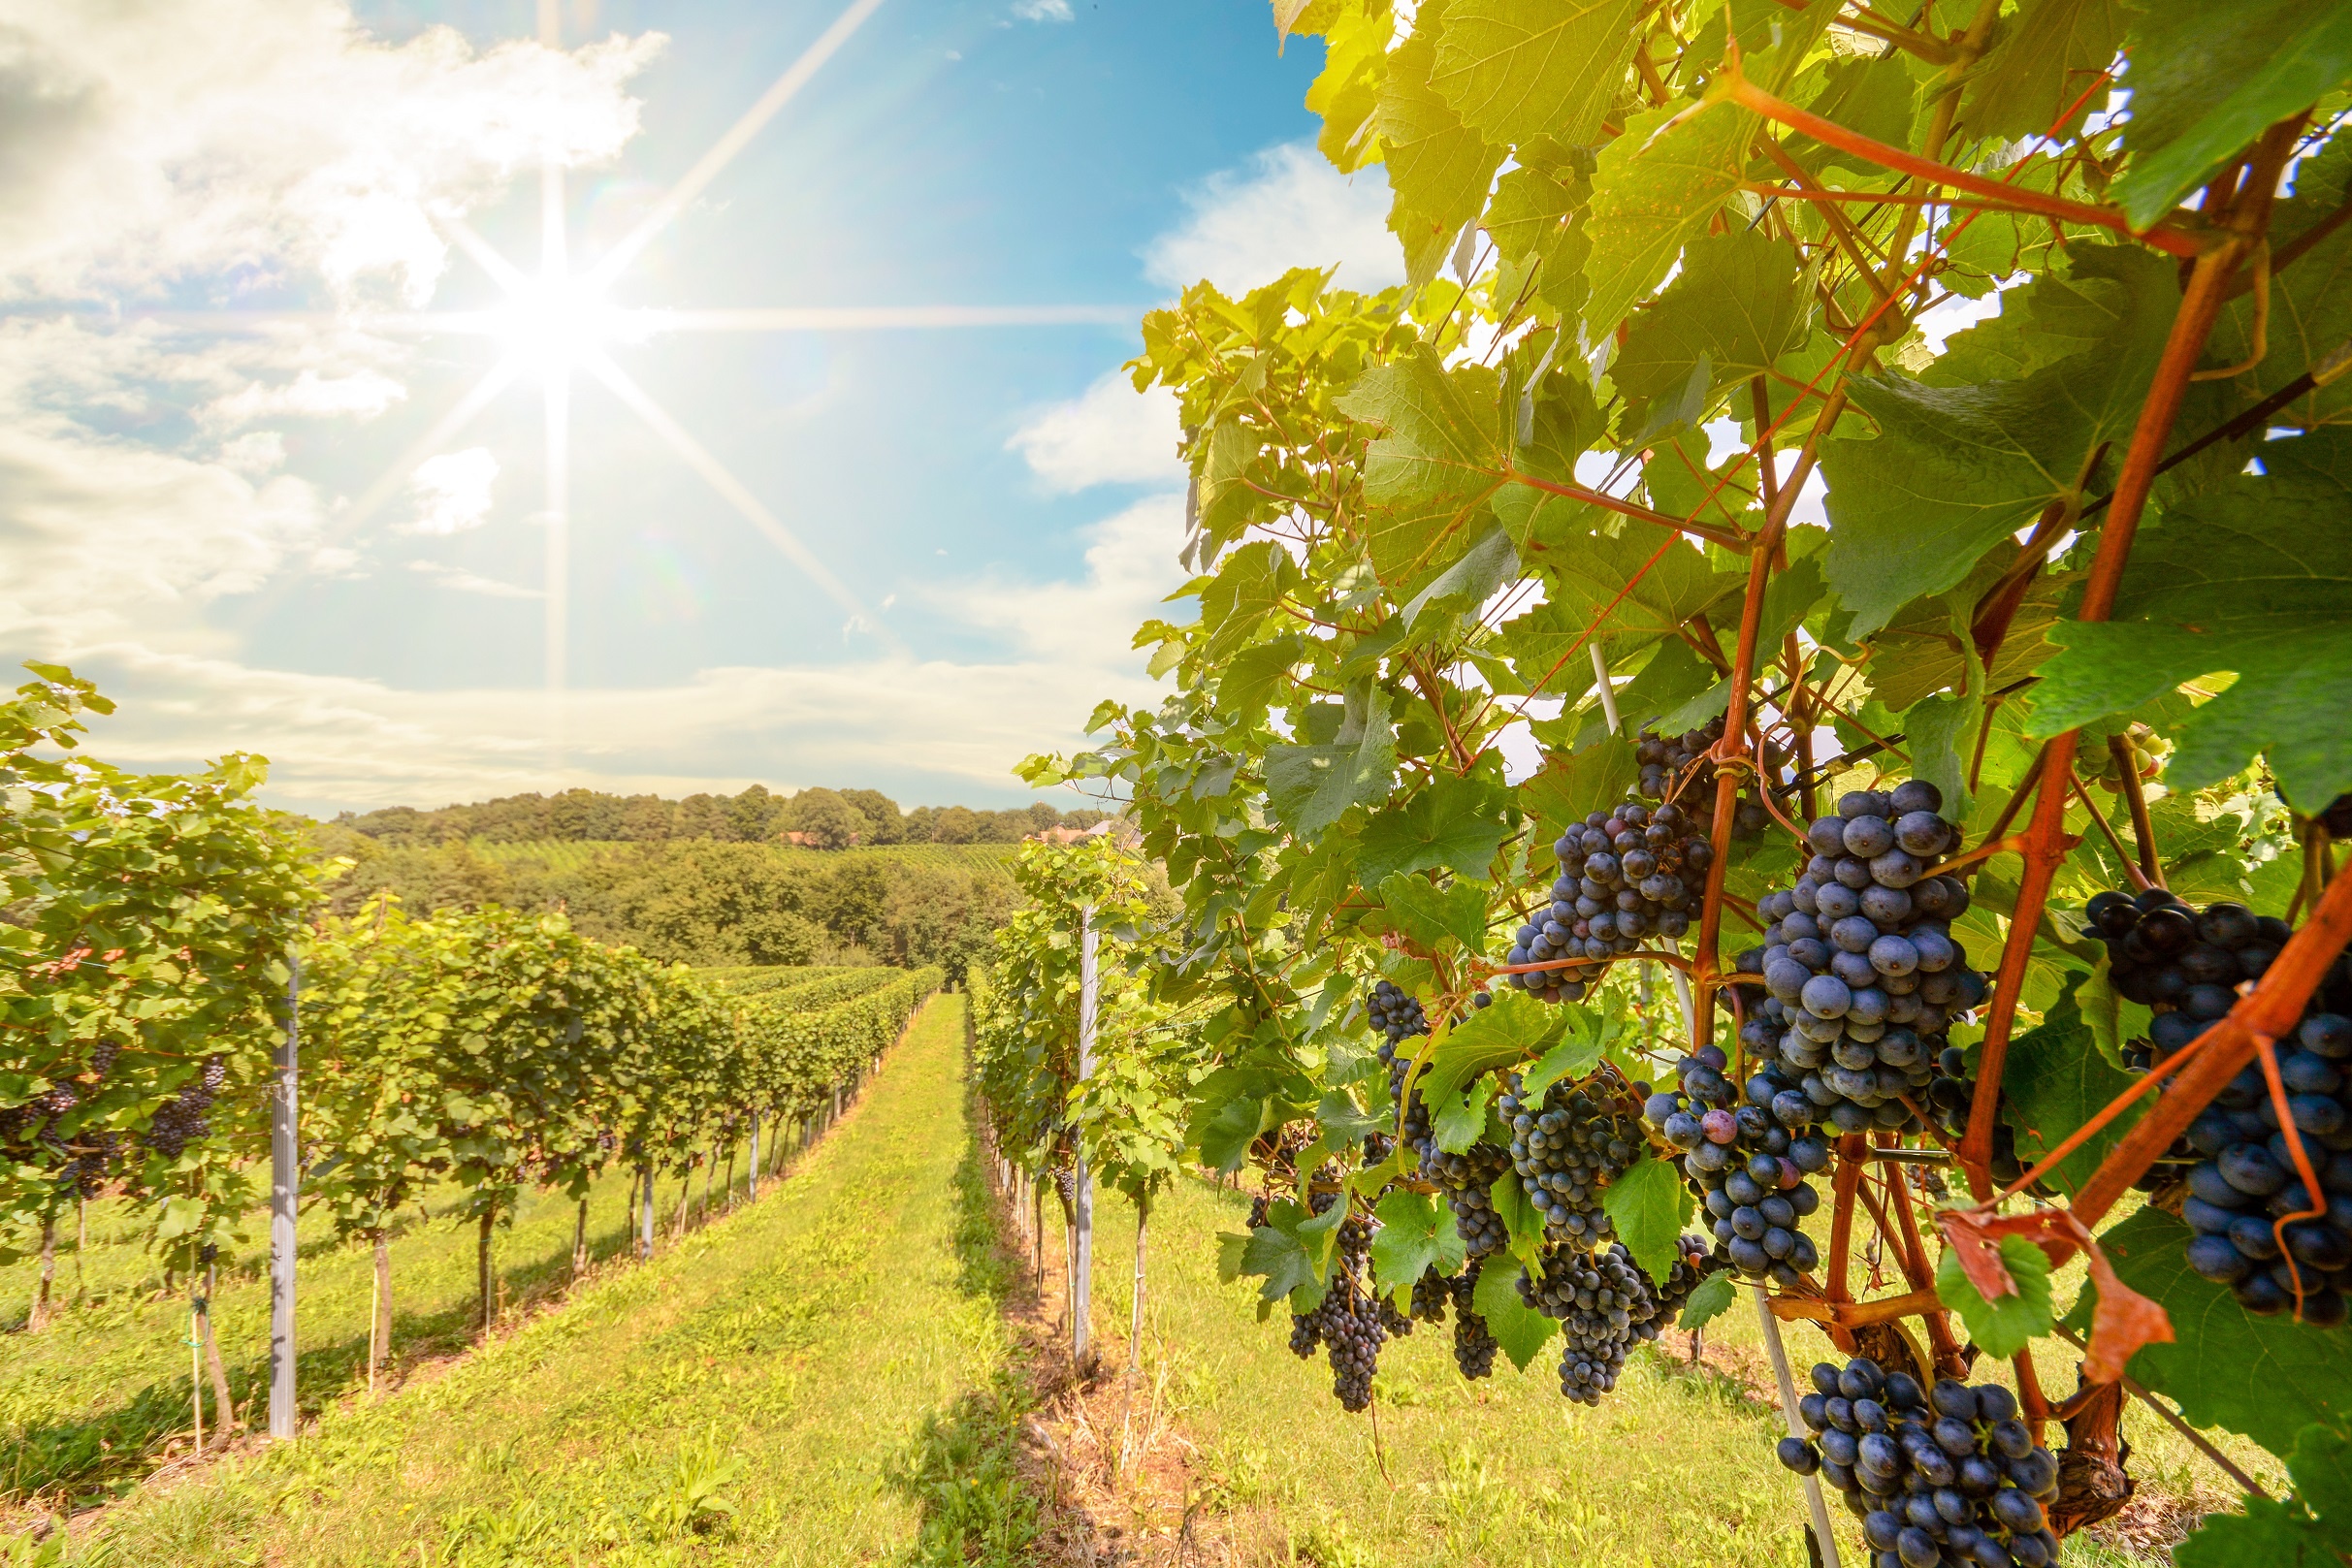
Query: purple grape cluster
(1569, 1145)
(1748, 1163)
(1465, 1178)
(2186, 965)
(1603, 1302)
(1938, 1477)
(184, 1118)
(1624, 875)
(1862, 975)
(2245, 1181)
(1474, 1344)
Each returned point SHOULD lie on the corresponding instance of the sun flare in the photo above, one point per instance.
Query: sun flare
(551, 326)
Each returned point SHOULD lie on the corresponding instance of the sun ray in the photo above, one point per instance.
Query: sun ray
(735, 492)
(505, 274)
(886, 317)
(739, 135)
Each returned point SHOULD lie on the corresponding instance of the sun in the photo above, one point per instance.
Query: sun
(551, 326)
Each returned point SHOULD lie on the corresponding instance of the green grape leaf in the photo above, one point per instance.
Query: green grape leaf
(1505, 1035)
(1307, 787)
(1438, 167)
(1872, 94)
(2311, 315)
(1515, 70)
(1252, 677)
(1430, 466)
(2263, 1378)
(1342, 1122)
(1650, 198)
(1648, 1203)
(1941, 734)
(2311, 1529)
(1278, 1252)
(2001, 1329)
(1738, 304)
(1454, 822)
(2056, 1080)
(2251, 578)
(1571, 788)
(1224, 1136)
(1572, 1058)
(1709, 1301)
(2037, 69)
(1525, 217)
(1517, 1211)
(1462, 587)
(1518, 1328)
(1955, 470)
(1416, 1233)
(2206, 80)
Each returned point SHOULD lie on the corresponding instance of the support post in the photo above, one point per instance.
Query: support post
(645, 1222)
(285, 1191)
(754, 1172)
(1823, 1537)
(1082, 1255)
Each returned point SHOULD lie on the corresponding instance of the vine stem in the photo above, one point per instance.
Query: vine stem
(1738, 89)
(2144, 830)
(2200, 307)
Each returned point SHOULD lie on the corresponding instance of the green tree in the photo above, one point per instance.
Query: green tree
(884, 823)
(824, 819)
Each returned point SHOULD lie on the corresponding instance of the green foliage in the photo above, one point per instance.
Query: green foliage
(2001, 1326)
(2309, 1530)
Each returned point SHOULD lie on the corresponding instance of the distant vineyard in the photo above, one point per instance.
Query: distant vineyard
(754, 980)
(575, 854)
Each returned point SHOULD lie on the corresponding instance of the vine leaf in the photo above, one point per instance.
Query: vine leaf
(2039, 65)
(1647, 1204)
(1438, 167)
(1224, 1137)
(1573, 787)
(1515, 1028)
(1571, 1058)
(1517, 69)
(1652, 198)
(2273, 56)
(1278, 1251)
(1459, 589)
(1427, 916)
(1416, 1234)
(2001, 1324)
(2251, 578)
(2265, 1378)
(2313, 1530)
(1955, 470)
(1737, 306)
(1455, 823)
(2057, 1079)
(1518, 1328)
(1307, 787)
(1709, 1301)
(1430, 464)
(1942, 730)
(1520, 1221)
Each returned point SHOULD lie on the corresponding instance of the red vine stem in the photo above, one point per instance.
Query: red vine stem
(2207, 290)
(1729, 538)
(1756, 100)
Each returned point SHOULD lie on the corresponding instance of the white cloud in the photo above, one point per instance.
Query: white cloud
(1108, 434)
(1131, 566)
(1291, 208)
(452, 490)
(362, 395)
(1042, 10)
(465, 582)
(156, 140)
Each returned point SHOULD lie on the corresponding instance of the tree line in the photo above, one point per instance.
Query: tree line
(706, 903)
(824, 818)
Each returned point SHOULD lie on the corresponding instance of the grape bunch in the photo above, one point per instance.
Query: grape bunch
(183, 1119)
(1474, 1345)
(1748, 1163)
(1945, 1476)
(1862, 972)
(1604, 1305)
(2165, 955)
(1569, 1144)
(1351, 1327)
(1624, 875)
(1432, 1292)
(1465, 1177)
(2245, 1181)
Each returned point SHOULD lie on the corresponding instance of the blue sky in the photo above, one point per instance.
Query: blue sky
(179, 492)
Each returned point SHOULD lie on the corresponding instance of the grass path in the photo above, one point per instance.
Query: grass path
(815, 1379)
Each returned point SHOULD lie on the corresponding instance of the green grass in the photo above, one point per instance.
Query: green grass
(817, 1378)
(89, 1404)
(1675, 1466)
